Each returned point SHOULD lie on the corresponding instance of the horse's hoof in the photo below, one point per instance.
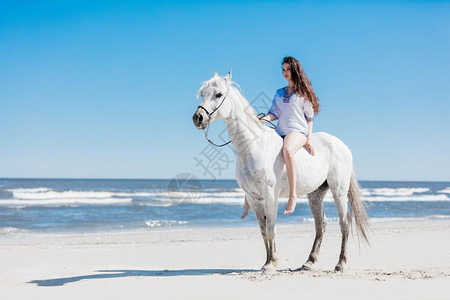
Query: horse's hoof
(306, 267)
(339, 268)
(268, 270)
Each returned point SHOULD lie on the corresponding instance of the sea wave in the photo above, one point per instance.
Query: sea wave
(11, 230)
(31, 190)
(152, 204)
(445, 191)
(440, 197)
(62, 202)
(24, 197)
(393, 191)
(164, 223)
(224, 194)
(239, 200)
(50, 194)
(408, 219)
(44, 193)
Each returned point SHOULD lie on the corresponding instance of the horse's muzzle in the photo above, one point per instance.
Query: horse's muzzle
(200, 119)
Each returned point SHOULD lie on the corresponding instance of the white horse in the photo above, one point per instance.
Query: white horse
(261, 172)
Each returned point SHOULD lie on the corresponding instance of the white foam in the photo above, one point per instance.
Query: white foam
(237, 198)
(61, 195)
(48, 194)
(445, 191)
(311, 220)
(153, 204)
(403, 219)
(393, 191)
(164, 198)
(136, 194)
(230, 200)
(164, 223)
(11, 230)
(220, 190)
(66, 201)
(30, 190)
(225, 194)
(440, 197)
(439, 217)
(223, 200)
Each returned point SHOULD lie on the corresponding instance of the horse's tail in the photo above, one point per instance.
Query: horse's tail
(358, 210)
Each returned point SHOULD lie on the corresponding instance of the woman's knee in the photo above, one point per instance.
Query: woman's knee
(288, 150)
(293, 142)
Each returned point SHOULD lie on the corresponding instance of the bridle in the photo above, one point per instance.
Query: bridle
(210, 113)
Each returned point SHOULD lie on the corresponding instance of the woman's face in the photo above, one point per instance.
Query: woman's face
(287, 72)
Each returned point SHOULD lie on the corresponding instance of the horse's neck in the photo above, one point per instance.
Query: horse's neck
(243, 135)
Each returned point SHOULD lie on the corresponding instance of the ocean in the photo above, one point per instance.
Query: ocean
(105, 205)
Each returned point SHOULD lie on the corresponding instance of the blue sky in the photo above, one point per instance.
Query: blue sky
(106, 89)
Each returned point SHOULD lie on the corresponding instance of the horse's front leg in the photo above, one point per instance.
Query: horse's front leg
(271, 210)
(258, 208)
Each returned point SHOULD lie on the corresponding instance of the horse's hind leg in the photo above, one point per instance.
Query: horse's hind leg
(316, 206)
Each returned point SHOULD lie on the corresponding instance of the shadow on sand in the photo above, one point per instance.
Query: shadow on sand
(141, 273)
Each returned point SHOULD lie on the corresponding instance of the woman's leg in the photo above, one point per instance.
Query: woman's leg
(292, 143)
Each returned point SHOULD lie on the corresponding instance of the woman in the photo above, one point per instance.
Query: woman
(294, 106)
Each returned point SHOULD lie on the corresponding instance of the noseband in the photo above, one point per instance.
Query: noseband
(209, 114)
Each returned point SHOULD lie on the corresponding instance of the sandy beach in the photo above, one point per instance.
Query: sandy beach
(406, 260)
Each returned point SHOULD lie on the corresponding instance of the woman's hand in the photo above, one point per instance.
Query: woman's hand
(309, 147)
(262, 119)
(266, 118)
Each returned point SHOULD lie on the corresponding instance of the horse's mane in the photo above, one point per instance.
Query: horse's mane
(223, 84)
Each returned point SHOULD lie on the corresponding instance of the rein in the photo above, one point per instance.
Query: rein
(263, 115)
(209, 114)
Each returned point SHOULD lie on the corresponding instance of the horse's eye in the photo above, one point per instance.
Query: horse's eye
(218, 95)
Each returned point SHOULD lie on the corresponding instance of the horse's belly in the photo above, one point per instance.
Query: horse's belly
(311, 173)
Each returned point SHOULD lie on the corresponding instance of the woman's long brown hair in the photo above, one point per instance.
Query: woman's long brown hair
(302, 85)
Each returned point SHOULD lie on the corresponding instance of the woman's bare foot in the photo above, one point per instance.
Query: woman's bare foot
(246, 209)
(290, 206)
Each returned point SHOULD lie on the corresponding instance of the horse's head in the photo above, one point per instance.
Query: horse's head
(214, 105)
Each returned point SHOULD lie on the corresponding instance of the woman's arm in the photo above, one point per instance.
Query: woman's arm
(308, 146)
(310, 128)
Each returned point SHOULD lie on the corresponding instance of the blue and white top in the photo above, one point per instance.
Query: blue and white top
(292, 112)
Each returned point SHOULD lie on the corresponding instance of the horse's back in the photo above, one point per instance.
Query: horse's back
(334, 147)
(330, 153)
(340, 160)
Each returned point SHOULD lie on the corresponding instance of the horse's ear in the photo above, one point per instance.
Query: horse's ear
(216, 74)
(228, 76)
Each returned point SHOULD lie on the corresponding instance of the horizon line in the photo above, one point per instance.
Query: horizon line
(222, 179)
